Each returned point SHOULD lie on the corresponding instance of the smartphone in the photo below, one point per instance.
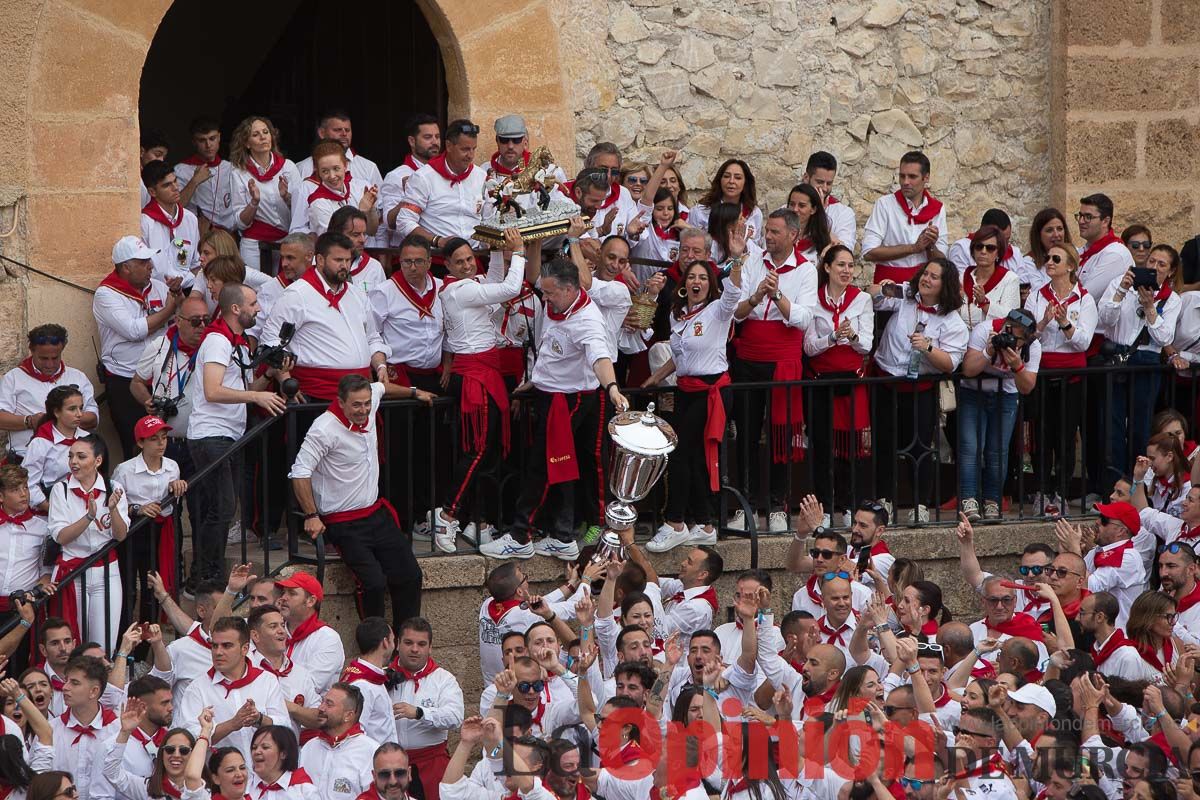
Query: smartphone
(896, 290)
(1144, 277)
(864, 561)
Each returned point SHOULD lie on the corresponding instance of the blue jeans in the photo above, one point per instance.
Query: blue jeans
(985, 422)
(1129, 428)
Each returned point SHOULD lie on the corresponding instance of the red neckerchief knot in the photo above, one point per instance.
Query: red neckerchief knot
(29, 369)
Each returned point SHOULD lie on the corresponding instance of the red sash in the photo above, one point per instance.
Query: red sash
(894, 272)
(481, 379)
(321, 383)
(422, 302)
(1114, 643)
(851, 409)
(65, 602)
(1063, 360)
(512, 362)
(338, 517)
(927, 213)
(561, 463)
(261, 231)
(401, 374)
(431, 763)
(1020, 625)
(774, 341)
(714, 425)
(1098, 245)
(157, 213)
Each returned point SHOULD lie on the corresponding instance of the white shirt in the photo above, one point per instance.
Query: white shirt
(207, 690)
(1125, 582)
(377, 718)
(268, 294)
(190, 659)
(808, 597)
(22, 394)
(469, 789)
(342, 770)
(440, 699)
(1125, 662)
(861, 314)
(1187, 333)
(272, 209)
(21, 546)
(1121, 323)
(294, 786)
(1081, 313)
(343, 464)
(67, 508)
(1104, 267)
(888, 226)
(998, 367)
(79, 757)
(444, 210)
(414, 336)
(367, 273)
(468, 306)
(177, 255)
(699, 339)
(569, 348)
(730, 636)
(1167, 527)
(391, 193)
(692, 613)
(361, 168)
(948, 333)
(1003, 298)
(296, 684)
(311, 214)
(842, 224)
(798, 285)
(165, 370)
(121, 321)
(322, 654)
(979, 632)
(212, 199)
(46, 462)
(326, 337)
(143, 485)
(517, 619)
(614, 301)
(211, 419)
(134, 761)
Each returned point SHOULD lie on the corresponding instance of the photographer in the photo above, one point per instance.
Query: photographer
(218, 420)
(1139, 311)
(23, 535)
(1004, 349)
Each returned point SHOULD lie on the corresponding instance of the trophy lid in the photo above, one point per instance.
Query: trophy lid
(642, 432)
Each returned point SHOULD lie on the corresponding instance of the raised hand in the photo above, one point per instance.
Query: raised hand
(114, 497)
(673, 650)
(239, 577)
(505, 681)
(131, 714)
(206, 722)
(811, 512)
(667, 159)
(472, 730)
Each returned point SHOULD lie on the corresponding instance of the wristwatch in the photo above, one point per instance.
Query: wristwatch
(420, 713)
(777, 296)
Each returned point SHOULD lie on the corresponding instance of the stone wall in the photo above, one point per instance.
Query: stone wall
(1132, 99)
(965, 81)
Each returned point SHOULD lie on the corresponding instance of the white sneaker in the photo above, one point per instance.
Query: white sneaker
(921, 513)
(826, 521)
(235, 534)
(701, 536)
(420, 531)
(445, 532)
(668, 538)
(738, 521)
(556, 548)
(778, 522)
(970, 508)
(506, 547)
(488, 533)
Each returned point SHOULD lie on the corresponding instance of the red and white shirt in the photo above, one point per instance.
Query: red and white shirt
(366, 273)
(232, 353)
(1002, 293)
(391, 193)
(998, 367)
(1102, 262)
(409, 319)
(318, 648)
(191, 658)
(46, 459)
(22, 537)
(1081, 313)
(797, 282)
(469, 304)
(497, 618)
(121, 312)
(569, 346)
(274, 214)
(1122, 323)
(68, 505)
(341, 768)
(79, 748)
(1118, 569)
(288, 786)
(688, 610)
(827, 314)
(226, 696)
(314, 202)
(295, 682)
(434, 690)
(808, 597)
(23, 391)
(700, 338)
(948, 333)
(176, 237)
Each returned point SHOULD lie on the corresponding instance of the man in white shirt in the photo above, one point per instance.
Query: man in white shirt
(218, 420)
(206, 180)
(424, 142)
(1114, 564)
(191, 652)
(1113, 653)
(979, 768)
(242, 696)
(819, 173)
(311, 642)
(445, 197)
(690, 599)
(168, 227)
(574, 361)
(371, 674)
(365, 271)
(507, 609)
(23, 389)
(80, 732)
(409, 314)
(339, 758)
(336, 481)
(157, 706)
(22, 538)
(55, 644)
(428, 704)
(268, 636)
(906, 228)
(129, 306)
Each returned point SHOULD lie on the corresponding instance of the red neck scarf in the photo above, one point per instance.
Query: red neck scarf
(196, 161)
(46, 431)
(879, 548)
(1164, 292)
(422, 302)
(833, 635)
(1020, 625)
(813, 587)
(282, 672)
(411, 163)
(277, 162)
(1114, 556)
(361, 265)
(359, 670)
(146, 739)
(440, 166)
(197, 636)
(82, 495)
(16, 519)
(169, 789)
(304, 630)
(334, 741)
(943, 699)
(969, 282)
(927, 213)
(105, 718)
(1098, 245)
(314, 280)
(323, 192)
(29, 369)
(816, 704)
(709, 595)
(1076, 293)
(1114, 643)
(1186, 602)
(335, 408)
(126, 289)
(496, 609)
(1150, 654)
(173, 336)
(839, 308)
(1070, 610)
(580, 302)
(415, 677)
(500, 169)
(220, 327)
(993, 767)
(283, 280)
(784, 269)
(666, 234)
(248, 677)
(159, 214)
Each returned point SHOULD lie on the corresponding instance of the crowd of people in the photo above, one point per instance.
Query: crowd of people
(253, 286)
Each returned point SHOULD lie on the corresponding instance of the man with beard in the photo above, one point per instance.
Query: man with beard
(337, 757)
(153, 696)
(562, 777)
(424, 142)
(814, 685)
(1114, 654)
(867, 529)
(365, 271)
(218, 420)
(1177, 572)
(907, 228)
(390, 773)
(979, 768)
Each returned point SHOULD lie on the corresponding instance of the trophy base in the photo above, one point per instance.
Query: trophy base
(494, 236)
(620, 516)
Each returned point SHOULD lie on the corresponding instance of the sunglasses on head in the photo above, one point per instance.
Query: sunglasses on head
(184, 749)
(531, 686)
(469, 130)
(48, 340)
(929, 647)
(826, 554)
(828, 576)
(388, 774)
(1175, 547)
(985, 247)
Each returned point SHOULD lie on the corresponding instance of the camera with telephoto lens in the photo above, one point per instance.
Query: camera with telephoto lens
(275, 355)
(30, 595)
(1005, 339)
(164, 407)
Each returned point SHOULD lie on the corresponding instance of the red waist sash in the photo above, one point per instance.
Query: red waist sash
(714, 425)
(67, 605)
(322, 382)
(481, 378)
(360, 513)
(512, 362)
(774, 341)
(401, 374)
(263, 232)
(851, 404)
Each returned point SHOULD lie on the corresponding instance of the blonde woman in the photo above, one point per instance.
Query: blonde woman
(263, 184)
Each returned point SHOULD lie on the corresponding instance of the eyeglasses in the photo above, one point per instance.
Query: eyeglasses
(636, 179)
(388, 774)
(510, 139)
(195, 322)
(828, 576)
(891, 710)
(170, 749)
(1195, 775)
(1140, 245)
(70, 791)
(929, 647)
(1059, 572)
(524, 687)
(1000, 601)
(608, 170)
(413, 262)
(1170, 617)
(48, 340)
(1055, 258)
(986, 247)
(825, 554)
(975, 734)
(912, 783)
(1175, 547)
(1081, 217)
(1034, 570)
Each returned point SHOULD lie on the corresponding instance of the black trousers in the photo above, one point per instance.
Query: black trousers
(473, 466)
(380, 556)
(690, 498)
(839, 481)
(905, 430)
(551, 508)
(125, 411)
(414, 467)
(752, 417)
(1058, 405)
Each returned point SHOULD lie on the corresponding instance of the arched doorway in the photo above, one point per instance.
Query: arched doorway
(376, 59)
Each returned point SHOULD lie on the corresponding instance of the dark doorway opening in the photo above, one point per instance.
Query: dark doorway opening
(289, 60)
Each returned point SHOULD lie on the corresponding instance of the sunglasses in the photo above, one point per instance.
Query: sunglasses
(1054, 257)
(195, 322)
(891, 710)
(986, 247)
(48, 340)
(828, 576)
(1000, 601)
(170, 749)
(413, 262)
(524, 687)
(825, 554)
(388, 774)
(510, 139)
(1059, 572)
(70, 791)
(637, 179)
(976, 734)
(929, 647)
(912, 783)
(1034, 570)
(1140, 245)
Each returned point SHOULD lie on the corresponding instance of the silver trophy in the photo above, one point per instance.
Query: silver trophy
(642, 442)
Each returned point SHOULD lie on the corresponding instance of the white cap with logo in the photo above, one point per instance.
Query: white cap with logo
(129, 247)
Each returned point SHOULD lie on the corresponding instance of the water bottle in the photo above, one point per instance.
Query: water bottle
(914, 357)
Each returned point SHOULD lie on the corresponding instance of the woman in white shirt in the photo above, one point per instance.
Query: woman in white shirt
(178, 770)
(263, 186)
(46, 456)
(701, 316)
(1048, 229)
(925, 337)
(228, 774)
(837, 343)
(1066, 320)
(1163, 475)
(660, 240)
(989, 290)
(806, 203)
(330, 187)
(733, 183)
(86, 514)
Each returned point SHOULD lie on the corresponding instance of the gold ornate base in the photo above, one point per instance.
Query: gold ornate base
(491, 235)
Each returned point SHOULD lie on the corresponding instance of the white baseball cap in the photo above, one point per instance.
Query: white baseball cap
(1036, 695)
(128, 247)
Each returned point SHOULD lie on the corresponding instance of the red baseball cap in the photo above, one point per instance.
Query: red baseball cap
(305, 581)
(148, 426)
(1124, 513)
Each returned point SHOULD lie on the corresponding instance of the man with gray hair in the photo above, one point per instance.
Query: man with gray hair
(295, 257)
(613, 212)
(574, 362)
